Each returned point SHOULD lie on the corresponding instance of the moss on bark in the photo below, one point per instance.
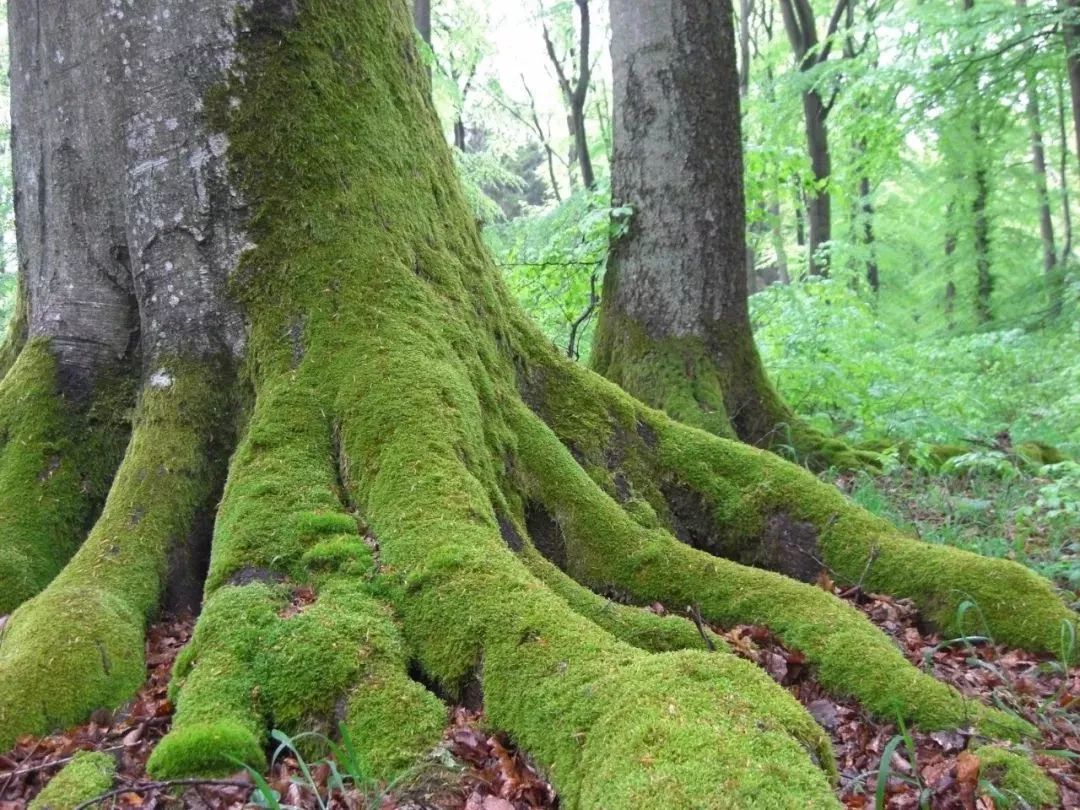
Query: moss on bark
(716, 382)
(56, 461)
(78, 645)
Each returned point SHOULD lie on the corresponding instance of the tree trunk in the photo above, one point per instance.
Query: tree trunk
(866, 214)
(984, 279)
(409, 444)
(1055, 289)
(1071, 33)
(1063, 171)
(674, 327)
(819, 207)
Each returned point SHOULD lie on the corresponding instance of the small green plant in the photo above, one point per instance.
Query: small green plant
(885, 768)
(346, 772)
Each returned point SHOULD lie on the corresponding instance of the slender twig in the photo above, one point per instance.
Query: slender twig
(695, 614)
(149, 787)
(13, 774)
(594, 301)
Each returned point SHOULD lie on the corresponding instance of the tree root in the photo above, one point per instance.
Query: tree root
(89, 774)
(78, 645)
(258, 660)
(56, 461)
(636, 627)
(852, 657)
(722, 391)
(389, 369)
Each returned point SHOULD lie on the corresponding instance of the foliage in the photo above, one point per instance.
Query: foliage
(867, 372)
(554, 262)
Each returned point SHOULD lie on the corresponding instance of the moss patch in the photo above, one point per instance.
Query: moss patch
(89, 774)
(1014, 776)
(78, 645)
(56, 461)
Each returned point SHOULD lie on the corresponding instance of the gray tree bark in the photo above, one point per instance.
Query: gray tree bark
(127, 226)
(674, 327)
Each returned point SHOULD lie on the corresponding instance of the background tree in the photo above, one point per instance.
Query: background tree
(574, 85)
(674, 327)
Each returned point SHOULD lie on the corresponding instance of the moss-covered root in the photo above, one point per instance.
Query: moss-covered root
(56, 460)
(78, 645)
(89, 774)
(640, 628)
(724, 392)
(851, 655)
(744, 488)
(258, 659)
(1014, 778)
(254, 663)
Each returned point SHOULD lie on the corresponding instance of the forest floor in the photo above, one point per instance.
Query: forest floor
(481, 770)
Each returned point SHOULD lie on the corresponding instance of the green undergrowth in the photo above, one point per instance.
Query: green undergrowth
(57, 459)
(89, 774)
(12, 321)
(876, 372)
(989, 506)
(51, 675)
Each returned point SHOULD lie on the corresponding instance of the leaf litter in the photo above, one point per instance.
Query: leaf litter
(481, 769)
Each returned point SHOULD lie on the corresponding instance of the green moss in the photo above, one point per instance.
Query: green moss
(1015, 777)
(343, 553)
(56, 461)
(640, 628)
(78, 645)
(724, 391)
(89, 774)
(410, 341)
(1039, 453)
(1015, 606)
(257, 662)
(607, 549)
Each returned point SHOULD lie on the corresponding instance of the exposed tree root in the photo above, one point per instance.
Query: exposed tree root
(78, 645)
(752, 507)
(56, 461)
(258, 660)
(719, 385)
(639, 628)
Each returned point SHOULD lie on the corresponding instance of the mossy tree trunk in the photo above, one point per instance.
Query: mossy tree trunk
(674, 326)
(421, 485)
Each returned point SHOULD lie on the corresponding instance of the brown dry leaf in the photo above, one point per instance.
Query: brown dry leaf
(967, 777)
